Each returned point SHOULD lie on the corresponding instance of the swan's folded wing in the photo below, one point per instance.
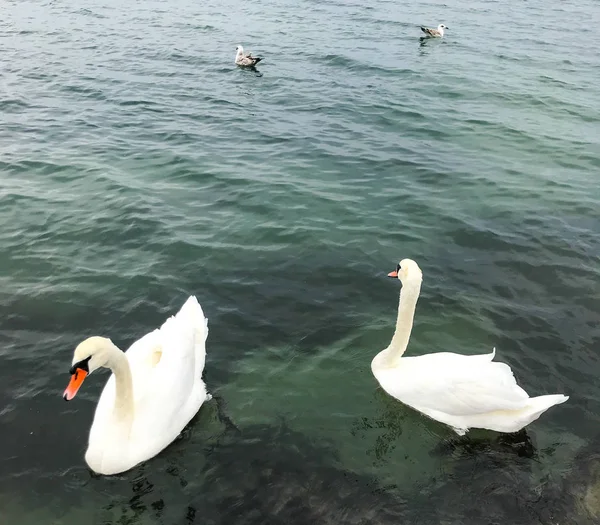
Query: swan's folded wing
(176, 363)
(464, 387)
(177, 358)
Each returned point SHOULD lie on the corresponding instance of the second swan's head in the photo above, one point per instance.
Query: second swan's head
(90, 354)
(407, 271)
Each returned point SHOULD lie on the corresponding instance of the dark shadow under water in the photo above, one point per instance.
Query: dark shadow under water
(273, 475)
(574, 498)
(251, 69)
(490, 481)
(276, 476)
(269, 475)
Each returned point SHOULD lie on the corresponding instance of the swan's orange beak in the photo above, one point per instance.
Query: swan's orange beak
(393, 274)
(76, 381)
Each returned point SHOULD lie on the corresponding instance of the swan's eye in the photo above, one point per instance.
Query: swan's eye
(82, 365)
(398, 268)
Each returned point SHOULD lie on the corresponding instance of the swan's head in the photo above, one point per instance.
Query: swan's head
(89, 355)
(239, 49)
(407, 271)
(442, 28)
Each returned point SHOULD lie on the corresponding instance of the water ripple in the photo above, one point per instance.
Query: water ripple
(139, 165)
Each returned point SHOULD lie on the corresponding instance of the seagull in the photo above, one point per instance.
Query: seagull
(245, 60)
(434, 33)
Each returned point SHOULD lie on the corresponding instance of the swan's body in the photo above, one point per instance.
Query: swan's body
(245, 59)
(155, 390)
(461, 391)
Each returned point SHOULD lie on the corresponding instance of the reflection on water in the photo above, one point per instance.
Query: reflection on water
(141, 166)
(388, 423)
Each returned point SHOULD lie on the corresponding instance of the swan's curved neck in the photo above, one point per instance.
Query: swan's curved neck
(409, 294)
(123, 407)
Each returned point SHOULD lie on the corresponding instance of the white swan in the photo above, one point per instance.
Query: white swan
(459, 390)
(155, 389)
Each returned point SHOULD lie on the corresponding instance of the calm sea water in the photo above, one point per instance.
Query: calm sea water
(139, 166)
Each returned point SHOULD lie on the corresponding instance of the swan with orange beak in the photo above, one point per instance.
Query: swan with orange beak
(154, 391)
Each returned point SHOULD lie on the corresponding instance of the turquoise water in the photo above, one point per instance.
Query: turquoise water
(139, 166)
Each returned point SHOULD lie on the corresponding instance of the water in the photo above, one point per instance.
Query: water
(139, 166)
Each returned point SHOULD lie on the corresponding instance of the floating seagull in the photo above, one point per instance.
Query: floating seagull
(434, 33)
(245, 60)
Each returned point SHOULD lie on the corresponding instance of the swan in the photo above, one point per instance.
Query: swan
(155, 389)
(462, 391)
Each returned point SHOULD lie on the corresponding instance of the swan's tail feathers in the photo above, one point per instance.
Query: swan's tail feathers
(538, 405)
(192, 311)
(484, 358)
(543, 403)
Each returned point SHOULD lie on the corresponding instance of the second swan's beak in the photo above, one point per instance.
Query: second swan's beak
(75, 383)
(393, 274)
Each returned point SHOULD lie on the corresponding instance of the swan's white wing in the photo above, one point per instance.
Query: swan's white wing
(169, 374)
(187, 333)
(455, 384)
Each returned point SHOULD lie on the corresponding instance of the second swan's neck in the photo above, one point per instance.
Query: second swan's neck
(123, 407)
(409, 294)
